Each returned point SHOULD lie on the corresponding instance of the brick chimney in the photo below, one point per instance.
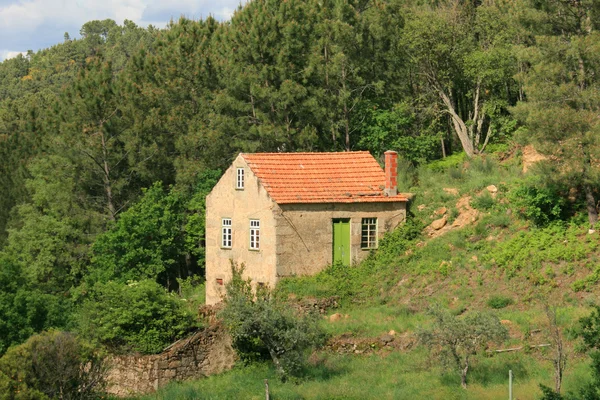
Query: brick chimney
(391, 173)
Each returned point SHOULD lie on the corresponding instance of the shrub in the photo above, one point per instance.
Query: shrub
(260, 325)
(139, 316)
(499, 301)
(455, 339)
(484, 201)
(537, 203)
(52, 365)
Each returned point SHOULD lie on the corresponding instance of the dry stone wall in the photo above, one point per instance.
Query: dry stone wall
(204, 353)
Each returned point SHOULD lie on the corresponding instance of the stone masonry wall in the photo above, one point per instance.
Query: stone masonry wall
(204, 353)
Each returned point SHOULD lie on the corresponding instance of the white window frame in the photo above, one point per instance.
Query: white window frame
(226, 233)
(254, 234)
(239, 179)
(368, 233)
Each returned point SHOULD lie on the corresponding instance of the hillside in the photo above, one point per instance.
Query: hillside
(493, 260)
(110, 143)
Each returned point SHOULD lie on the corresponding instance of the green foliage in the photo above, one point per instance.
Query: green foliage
(455, 339)
(259, 325)
(484, 201)
(160, 237)
(146, 242)
(453, 161)
(24, 310)
(52, 365)
(538, 203)
(531, 250)
(499, 301)
(138, 316)
(395, 129)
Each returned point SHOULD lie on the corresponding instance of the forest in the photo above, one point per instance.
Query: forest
(110, 142)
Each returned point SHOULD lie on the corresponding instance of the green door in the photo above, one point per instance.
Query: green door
(341, 241)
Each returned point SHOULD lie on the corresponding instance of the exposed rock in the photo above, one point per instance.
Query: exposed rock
(452, 191)
(392, 333)
(421, 207)
(492, 189)
(335, 317)
(441, 211)
(387, 338)
(439, 223)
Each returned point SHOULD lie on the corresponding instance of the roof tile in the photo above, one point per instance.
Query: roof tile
(348, 177)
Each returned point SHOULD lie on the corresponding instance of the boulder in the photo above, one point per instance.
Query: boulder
(439, 223)
(441, 211)
(387, 338)
(335, 317)
(492, 189)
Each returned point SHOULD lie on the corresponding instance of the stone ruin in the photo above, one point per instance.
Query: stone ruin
(203, 353)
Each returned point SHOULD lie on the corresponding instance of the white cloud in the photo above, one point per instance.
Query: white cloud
(7, 54)
(35, 24)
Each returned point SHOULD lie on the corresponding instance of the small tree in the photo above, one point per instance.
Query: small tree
(559, 356)
(53, 365)
(456, 339)
(259, 324)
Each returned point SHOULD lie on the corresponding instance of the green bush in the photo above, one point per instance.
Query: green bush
(259, 324)
(453, 161)
(52, 365)
(139, 316)
(484, 201)
(499, 301)
(538, 203)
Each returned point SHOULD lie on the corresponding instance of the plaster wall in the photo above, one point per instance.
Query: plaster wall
(253, 202)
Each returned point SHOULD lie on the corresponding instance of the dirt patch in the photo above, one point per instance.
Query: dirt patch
(347, 343)
(530, 157)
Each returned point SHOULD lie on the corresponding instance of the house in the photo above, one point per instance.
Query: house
(283, 214)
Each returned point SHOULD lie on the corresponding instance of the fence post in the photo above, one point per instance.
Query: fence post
(267, 389)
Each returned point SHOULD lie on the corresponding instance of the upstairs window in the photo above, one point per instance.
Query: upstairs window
(368, 238)
(239, 183)
(254, 234)
(226, 233)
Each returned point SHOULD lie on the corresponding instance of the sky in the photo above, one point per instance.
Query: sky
(37, 24)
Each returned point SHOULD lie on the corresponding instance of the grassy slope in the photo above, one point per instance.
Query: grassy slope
(497, 255)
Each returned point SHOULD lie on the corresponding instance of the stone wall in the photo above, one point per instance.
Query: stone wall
(204, 353)
(305, 232)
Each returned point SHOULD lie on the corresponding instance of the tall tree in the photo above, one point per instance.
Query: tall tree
(463, 52)
(562, 86)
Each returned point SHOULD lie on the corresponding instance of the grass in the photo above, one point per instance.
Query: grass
(391, 375)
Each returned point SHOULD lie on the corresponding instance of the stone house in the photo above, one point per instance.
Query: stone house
(283, 214)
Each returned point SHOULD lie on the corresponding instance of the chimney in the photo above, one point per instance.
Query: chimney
(391, 173)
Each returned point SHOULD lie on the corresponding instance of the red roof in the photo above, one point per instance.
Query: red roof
(349, 177)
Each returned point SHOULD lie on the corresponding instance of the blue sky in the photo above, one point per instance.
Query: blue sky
(37, 24)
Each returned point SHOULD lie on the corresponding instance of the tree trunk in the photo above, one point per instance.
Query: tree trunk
(459, 125)
(107, 181)
(277, 363)
(590, 203)
(463, 374)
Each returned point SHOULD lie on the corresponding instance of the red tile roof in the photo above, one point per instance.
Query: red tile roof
(349, 177)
